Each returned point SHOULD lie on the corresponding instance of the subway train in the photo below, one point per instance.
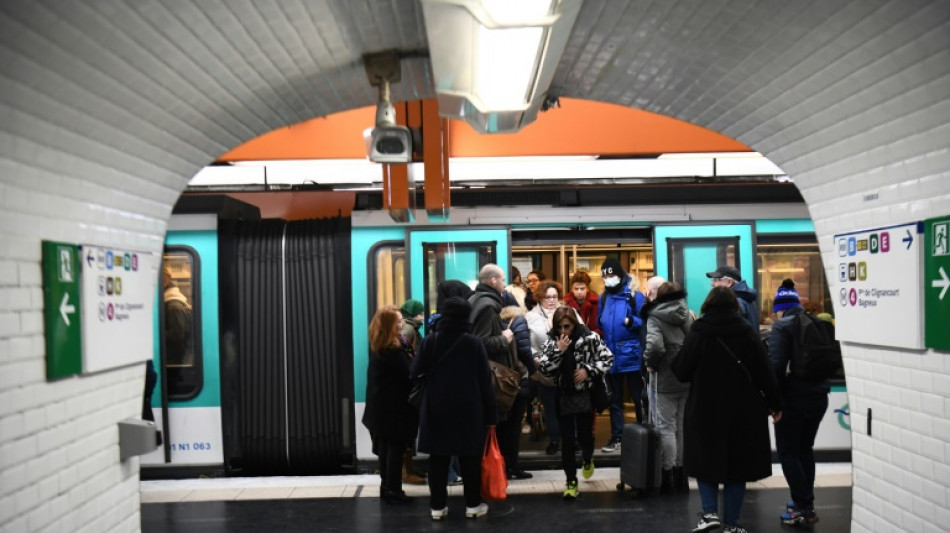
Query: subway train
(271, 377)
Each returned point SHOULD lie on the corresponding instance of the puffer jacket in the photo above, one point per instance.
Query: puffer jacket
(590, 353)
(513, 317)
(622, 340)
(668, 321)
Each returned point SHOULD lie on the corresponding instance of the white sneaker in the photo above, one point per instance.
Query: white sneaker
(475, 512)
(611, 446)
(439, 514)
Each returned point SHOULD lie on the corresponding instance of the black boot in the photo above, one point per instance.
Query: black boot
(666, 482)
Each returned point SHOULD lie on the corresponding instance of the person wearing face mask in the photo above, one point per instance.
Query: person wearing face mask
(619, 319)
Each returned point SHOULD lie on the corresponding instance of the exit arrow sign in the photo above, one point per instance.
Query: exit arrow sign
(62, 264)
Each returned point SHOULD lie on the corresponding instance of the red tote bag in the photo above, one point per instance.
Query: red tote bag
(494, 476)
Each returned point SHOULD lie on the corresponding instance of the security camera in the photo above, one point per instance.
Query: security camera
(391, 144)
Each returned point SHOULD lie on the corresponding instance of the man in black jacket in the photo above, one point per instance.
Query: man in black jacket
(496, 335)
(804, 403)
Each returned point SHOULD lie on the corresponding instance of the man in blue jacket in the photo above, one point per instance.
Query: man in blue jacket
(619, 319)
(730, 277)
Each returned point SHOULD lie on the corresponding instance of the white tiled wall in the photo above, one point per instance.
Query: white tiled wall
(107, 108)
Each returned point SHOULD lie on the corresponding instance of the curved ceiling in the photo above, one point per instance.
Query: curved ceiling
(577, 127)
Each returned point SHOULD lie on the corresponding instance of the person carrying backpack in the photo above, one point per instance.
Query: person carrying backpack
(804, 402)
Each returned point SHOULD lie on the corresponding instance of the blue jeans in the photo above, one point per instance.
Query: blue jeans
(732, 494)
(634, 383)
(795, 442)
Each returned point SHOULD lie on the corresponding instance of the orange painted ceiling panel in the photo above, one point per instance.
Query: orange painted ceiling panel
(578, 127)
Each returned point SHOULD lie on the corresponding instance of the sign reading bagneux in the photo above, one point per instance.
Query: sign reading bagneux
(118, 292)
(879, 286)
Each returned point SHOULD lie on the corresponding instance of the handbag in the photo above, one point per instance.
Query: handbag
(507, 383)
(419, 387)
(494, 475)
(601, 393)
(575, 403)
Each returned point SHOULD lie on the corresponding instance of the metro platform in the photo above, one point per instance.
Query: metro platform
(352, 503)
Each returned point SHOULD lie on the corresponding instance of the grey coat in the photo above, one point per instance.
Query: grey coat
(668, 321)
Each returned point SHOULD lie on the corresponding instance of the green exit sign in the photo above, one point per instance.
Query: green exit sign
(61, 309)
(937, 283)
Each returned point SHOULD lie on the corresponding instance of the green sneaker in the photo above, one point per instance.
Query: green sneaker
(570, 493)
(588, 469)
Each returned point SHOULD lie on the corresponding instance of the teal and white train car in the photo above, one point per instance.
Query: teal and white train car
(281, 309)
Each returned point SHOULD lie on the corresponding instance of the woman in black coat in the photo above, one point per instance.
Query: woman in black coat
(391, 421)
(457, 406)
(730, 398)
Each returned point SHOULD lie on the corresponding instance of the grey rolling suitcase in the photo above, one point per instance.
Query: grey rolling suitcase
(640, 460)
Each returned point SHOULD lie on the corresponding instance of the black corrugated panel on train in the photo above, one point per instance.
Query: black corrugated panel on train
(286, 367)
(319, 343)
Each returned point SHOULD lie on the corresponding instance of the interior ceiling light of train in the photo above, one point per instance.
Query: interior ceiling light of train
(361, 174)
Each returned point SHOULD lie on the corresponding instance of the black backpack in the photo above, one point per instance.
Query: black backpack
(816, 355)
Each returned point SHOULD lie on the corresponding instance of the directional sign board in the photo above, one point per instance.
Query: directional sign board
(879, 286)
(118, 288)
(937, 283)
(61, 296)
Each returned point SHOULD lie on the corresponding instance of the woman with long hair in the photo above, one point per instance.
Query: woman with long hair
(540, 322)
(573, 355)
(732, 392)
(391, 421)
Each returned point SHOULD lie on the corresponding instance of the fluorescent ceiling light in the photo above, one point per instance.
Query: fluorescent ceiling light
(493, 60)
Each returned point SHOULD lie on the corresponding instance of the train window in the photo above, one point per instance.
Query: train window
(448, 260)
(691, 258)
(796, 259)
(181, 319)
(389, 265)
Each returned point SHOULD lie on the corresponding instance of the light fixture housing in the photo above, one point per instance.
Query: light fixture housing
(493, 60)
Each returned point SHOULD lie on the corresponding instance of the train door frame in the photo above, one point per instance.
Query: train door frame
(742, 231)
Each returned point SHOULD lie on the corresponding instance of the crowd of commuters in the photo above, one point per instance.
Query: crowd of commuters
(711, 381)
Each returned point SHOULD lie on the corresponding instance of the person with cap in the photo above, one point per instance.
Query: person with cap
(457, 406)
(730, 277)
(803, 406)
(619, 320)
(411, 312)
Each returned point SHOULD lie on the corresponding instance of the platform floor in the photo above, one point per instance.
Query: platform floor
(351, 503)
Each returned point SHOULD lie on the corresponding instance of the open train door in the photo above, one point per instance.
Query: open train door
(685, 254)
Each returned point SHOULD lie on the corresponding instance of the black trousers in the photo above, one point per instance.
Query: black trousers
(576, 429)
(471, 467)
(509, 433)
(795, 443)
(390, 455)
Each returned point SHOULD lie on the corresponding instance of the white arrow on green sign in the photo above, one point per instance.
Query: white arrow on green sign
(936, 283)
(61, 289)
